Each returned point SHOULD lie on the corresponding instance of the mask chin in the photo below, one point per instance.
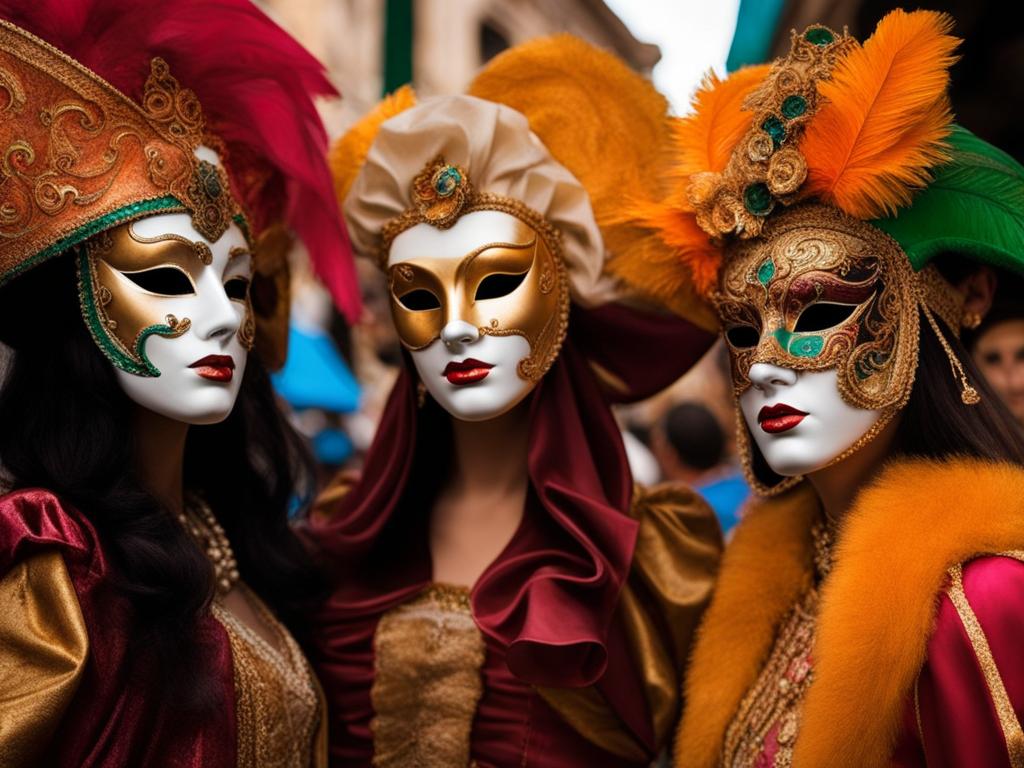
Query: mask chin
(444, 374)
(830, 430)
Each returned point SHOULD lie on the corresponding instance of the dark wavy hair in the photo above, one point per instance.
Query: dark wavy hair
(67, 427)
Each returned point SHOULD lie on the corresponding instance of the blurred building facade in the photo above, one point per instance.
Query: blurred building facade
(446, 41)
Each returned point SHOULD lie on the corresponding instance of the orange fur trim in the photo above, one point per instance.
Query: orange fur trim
(610, 128)
(917, 520)
(766, 567)
(706, 138)
(885, 117)
(348, 154)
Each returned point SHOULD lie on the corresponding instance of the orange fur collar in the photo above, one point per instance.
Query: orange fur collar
(918, 519)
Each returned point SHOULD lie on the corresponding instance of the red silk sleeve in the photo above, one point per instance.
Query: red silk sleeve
(970, 693)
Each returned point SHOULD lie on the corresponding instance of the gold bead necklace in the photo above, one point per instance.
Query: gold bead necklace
(199, 521)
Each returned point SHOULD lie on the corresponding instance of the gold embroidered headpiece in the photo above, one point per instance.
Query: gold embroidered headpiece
(79, 157)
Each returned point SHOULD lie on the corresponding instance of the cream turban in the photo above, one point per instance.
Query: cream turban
(502, 156)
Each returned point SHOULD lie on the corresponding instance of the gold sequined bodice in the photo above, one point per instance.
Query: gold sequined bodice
(763, 732)
(276, 700)
(428, 657)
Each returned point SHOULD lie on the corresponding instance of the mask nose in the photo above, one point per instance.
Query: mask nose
(768, 378)
(219, 317)
(459, 332)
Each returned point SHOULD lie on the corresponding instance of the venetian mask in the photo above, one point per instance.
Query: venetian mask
(481, 306)
(820, 315)
(171, 310)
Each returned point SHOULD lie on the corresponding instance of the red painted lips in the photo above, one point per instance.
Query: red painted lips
(215, 367)
(469, 371)
(779, 418)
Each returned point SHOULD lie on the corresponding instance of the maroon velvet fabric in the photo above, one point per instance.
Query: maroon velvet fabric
(547, 603)
(959, 724)
(116, 718)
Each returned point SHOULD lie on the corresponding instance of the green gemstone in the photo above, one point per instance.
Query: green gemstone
(793, 106)
(766, 271)
(757, 199)
(806, 346)
(774, 128)
(447, 181)
(819, 36)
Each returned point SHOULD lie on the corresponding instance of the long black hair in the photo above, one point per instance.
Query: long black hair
(66, 425)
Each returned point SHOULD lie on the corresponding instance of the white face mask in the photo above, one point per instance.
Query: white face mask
(798, 419)
(473, 375)
(200, 370)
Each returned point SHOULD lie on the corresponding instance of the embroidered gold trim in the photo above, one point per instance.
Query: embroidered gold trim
(277, 706)
(1008, 722)
(428, 659)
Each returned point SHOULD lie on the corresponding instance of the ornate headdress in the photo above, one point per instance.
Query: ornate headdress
(104, 104)
(833, 177)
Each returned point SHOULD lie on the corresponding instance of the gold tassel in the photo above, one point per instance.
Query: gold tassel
(968, 394)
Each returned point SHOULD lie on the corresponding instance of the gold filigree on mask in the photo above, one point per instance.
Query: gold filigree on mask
(512, 288)
(823, 290)
(125, 282)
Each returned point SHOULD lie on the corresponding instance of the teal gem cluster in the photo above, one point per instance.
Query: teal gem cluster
(757, 198)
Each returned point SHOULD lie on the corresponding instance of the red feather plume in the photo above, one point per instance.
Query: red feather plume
(256, 85)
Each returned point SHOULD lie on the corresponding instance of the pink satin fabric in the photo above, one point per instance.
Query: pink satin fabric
(959, 726)
(116, 719)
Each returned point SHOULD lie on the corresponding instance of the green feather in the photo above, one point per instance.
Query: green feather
(974, 206)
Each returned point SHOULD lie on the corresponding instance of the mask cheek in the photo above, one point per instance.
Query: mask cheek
(120, 316)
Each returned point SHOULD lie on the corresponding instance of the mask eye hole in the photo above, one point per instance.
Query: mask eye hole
(237, 288)
(165, 281)
(822, 316)
(497, 285)
(743, 336)
(420, 300)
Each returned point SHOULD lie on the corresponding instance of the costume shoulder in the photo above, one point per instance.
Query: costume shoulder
(970, 693)
(678, 548)
(33, 520)
(43, 639)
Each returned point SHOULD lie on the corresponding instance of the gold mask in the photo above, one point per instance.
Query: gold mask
(822, 290)
(129, 284)
(518, 287)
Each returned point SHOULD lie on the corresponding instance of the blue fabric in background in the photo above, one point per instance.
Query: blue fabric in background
(726, 496)
(315, 375)
(756, 23)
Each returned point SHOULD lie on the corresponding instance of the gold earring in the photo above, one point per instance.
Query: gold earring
(971, 320)
(421, 394)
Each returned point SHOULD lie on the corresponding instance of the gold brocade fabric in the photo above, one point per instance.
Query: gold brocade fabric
(764, 730)
(277, 704)
(43, 649)
(429, 653)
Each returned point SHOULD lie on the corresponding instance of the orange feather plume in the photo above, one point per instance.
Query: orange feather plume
(884, 118)
(706, 138)
(348, 154)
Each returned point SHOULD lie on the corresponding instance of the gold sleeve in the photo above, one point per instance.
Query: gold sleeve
(678, 549)
(43, 648)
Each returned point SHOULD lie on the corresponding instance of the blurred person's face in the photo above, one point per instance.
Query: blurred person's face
(479, 306)
(999, 354)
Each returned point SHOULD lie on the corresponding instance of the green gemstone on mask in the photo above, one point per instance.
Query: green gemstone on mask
(819, 36)
(766, 271)
(806, 346)
(757, 199)
(793, 106)
(799, 344)
(774, 128)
